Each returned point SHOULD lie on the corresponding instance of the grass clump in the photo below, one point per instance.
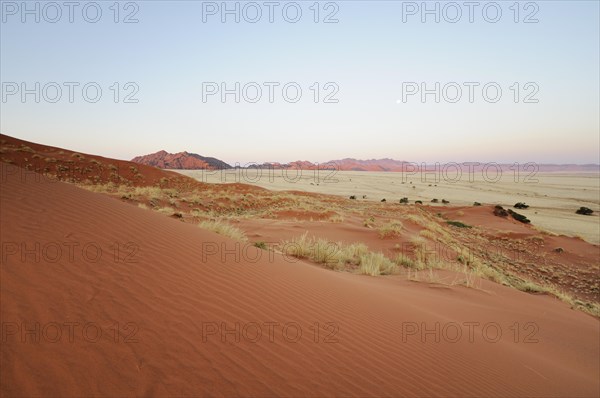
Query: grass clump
(224, 229)
(390, 229)
(376, 264)
(338, 256)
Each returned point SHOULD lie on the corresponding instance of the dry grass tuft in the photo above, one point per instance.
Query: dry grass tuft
(224, 229)
(391, 229)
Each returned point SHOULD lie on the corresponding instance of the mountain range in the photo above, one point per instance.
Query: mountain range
(192, 161)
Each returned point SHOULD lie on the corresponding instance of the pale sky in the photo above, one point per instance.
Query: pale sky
(375, 52)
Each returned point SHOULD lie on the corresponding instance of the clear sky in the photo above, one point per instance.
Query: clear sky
(372, 57)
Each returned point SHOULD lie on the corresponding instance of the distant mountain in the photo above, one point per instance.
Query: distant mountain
(181, 160)
(191, 161)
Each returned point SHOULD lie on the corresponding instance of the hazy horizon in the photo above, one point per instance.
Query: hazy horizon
(170, 57)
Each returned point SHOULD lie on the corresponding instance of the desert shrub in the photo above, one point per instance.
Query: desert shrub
(519, 217)
(500, 211)
(584, 211)
(458, 224)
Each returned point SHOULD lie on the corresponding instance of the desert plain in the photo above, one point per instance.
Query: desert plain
(553, 197)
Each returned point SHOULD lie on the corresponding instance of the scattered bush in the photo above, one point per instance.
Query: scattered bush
(434, 201)
(476, 204)
(499, 211)
(404, 200)
(519, 217)
(418, 202)
(383, 200)
(353, 197)
(520, 205)
(585, 211)
(444, 201)
(458, 224)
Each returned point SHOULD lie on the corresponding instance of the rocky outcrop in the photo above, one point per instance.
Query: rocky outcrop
(181, 160)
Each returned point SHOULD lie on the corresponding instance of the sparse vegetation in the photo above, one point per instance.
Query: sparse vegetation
(224, 229)
(260, 245)
(458, 224)
(376, 264)
(393, 228)
(338, 256)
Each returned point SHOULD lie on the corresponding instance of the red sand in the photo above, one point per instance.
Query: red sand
(176, 292)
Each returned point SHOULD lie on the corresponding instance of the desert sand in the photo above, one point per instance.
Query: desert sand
(103, 297)
(552, 197)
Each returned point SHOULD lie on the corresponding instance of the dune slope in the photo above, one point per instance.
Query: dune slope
(99, 298)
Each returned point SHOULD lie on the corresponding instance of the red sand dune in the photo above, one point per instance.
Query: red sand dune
(168, 290)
